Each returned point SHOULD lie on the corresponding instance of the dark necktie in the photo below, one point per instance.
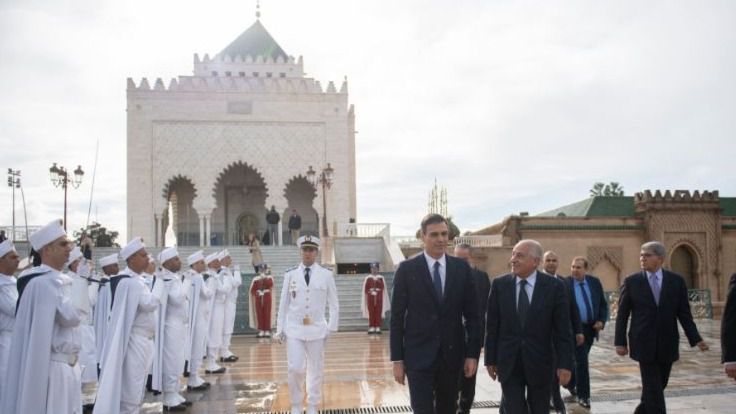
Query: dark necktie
(306, 275)
(588, 310)
(437, 280)
(523, 305)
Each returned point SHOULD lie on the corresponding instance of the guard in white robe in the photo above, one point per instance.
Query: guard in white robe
(128, 349)
(221, 286)
(109, 265)
(82, 298)
(199, 313)
(230, 306)
(9, 261)
(172, 332)
(45, 348)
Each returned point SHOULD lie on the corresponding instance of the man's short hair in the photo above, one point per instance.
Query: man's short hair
(582, 259)
(432, 218)
(536, 249)
(655, 247)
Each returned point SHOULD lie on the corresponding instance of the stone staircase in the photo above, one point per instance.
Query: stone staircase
(280, 258)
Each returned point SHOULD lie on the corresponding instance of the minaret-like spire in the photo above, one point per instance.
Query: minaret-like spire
(258, 9)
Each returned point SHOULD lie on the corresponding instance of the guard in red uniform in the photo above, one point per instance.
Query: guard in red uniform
(374, 301)
(261, 302)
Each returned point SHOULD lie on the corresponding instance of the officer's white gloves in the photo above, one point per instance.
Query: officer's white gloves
(280, 337)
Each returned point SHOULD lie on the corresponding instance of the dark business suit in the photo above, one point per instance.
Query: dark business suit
(526, 356)
(428, 333)
(728, 324)
(653, 339)
(580, 381)
(576, 329)
(467, 385)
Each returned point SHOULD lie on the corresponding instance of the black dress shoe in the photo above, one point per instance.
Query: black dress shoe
(584, 402)
(88, 408)
(216, 371)
(201, 387)
(180, 407)
(187, 403)
(231, 358)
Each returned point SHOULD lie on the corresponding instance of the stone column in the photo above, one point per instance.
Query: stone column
(201, 231)
(208, 229)
(157, 227)
(281, 232)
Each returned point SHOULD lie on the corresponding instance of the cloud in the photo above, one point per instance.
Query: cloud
(513, 106)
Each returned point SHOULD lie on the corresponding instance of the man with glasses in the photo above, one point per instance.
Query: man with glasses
(655, 299)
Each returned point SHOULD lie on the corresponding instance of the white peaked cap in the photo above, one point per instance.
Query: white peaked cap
(167, 253)
(308, 241)
(195, 257)
(75, 254)
(225, 253)
(221, 255)
(47, 234)
(132, 247)
(210, 258)
(6, 247)
(108, 260)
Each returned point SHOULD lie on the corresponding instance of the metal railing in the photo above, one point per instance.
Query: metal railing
(701, 304)
(363, 230)
(495, 240)
(20, 232)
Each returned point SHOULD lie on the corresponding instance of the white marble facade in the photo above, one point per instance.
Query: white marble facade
(234, 139)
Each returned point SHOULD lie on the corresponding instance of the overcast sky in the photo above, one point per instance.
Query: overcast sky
(513, 106)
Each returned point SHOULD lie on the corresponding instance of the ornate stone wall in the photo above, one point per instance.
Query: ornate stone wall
(691, 219)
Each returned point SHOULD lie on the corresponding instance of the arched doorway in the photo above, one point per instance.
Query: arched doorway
(684, 262)
(300, 195)
(247, 223)
(240, 192)
(180, 192)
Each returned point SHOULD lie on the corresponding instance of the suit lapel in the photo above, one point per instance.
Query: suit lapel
(537, 294)
(425, 276)
(666, 282)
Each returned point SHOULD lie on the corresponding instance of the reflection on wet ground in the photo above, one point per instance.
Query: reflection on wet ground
(358, 374)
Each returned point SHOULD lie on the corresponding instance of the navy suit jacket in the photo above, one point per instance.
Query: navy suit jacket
(728, 324)
(545, 340)
(600, 304)
(653, 335)
(422, 324)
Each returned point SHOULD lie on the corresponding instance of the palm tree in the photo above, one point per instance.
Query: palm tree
(612, 189)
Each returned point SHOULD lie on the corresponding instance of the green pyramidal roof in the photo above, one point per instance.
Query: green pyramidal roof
(255, 41)
(599, 206)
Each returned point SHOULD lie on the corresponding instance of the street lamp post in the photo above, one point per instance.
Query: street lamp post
(13, 182)
(325, 180)
(60, 178)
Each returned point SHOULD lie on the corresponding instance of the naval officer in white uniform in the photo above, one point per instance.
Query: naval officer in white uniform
(308, 289)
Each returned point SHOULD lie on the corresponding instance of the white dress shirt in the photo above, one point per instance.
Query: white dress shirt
(531, 281)
(443, 268)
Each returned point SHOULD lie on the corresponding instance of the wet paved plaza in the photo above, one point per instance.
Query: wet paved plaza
(358, 375)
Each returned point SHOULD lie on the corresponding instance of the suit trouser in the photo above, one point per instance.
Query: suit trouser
(654, 378)
(434, 389)
(305, 357)
(518, 393)
(467, 393)
(580, 380)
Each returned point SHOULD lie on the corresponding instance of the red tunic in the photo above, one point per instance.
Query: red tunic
(262, 304)
(374, 303)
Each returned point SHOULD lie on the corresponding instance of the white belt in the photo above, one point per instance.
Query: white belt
(143, 332)
(70, 359)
